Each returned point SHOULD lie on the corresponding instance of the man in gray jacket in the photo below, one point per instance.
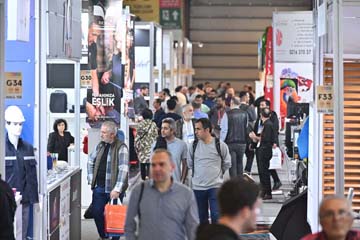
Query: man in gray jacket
(209, 158)
(166, 209)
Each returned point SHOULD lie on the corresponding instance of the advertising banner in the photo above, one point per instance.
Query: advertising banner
(269, 68)
(147, 10)
(111, 60)
(296, 84)
(294, 34)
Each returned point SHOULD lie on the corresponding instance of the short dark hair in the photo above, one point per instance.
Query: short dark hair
(166, 91)
(171, 104)
(174, 98)
(147, 113)
(199, 96)
(243, 94)
(267, 102)
(178, 88)
(206, 124)
(191, 88)
(213, 90)
(235, 194)
(57, 122)
(265, 112)
(200, 86)
(158, 100)
(143, 87)
(195, 105)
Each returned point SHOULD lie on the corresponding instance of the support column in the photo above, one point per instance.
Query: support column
(338, 76)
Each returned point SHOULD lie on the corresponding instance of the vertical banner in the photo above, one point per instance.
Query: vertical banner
(269, 67)
(106, 42)
(293, 56)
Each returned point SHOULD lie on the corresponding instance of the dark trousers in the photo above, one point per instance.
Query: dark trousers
(144, 170)
(274, 175)
(249, 158)
(237, 151)
(263, 156)
(204, 198)
(99, 199)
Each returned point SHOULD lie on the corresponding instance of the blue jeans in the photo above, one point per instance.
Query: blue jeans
(204, 198)
(237, 151)
(99, 199)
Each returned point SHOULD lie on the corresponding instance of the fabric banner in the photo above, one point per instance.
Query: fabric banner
(110, 59)
(269, 67)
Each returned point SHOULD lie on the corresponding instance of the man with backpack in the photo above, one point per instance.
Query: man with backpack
(209, 158)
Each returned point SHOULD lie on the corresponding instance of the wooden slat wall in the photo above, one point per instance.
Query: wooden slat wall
(351, 100)
(230, 30)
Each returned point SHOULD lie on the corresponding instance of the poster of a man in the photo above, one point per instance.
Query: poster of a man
(109, 61)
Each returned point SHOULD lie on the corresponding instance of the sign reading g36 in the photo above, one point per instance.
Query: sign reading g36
(13, 85)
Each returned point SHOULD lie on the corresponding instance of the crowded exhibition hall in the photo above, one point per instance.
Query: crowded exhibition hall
(180, 119)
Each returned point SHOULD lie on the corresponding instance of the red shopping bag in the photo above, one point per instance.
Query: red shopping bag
(115, 215)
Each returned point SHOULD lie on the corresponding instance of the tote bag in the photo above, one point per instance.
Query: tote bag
(115, 215)
(275, 161)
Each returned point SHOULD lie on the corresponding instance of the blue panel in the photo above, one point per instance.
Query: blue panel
(20, 57)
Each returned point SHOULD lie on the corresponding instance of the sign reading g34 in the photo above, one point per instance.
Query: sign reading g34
(13, 85)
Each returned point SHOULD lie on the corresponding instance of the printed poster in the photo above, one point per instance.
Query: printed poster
(296, 84)
(294, 36)
(110, 60)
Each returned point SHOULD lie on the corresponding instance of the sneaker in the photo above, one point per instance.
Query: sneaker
(277, 186)
(248, 177)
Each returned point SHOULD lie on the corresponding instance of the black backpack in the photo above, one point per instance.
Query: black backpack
(194, 145)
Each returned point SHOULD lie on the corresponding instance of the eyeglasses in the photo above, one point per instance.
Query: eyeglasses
(342, 213)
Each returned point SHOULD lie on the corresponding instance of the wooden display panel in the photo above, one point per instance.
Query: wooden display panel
(351, 100)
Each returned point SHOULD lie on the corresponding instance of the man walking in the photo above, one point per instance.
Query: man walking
(140, 103)
(177, 147)
(166, 209)
(107, 172)
(234, 133)
(209, 158)
(264, 152)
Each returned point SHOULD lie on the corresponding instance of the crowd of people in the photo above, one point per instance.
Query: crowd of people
(185, 147)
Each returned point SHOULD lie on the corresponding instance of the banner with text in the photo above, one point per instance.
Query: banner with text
(294, 36)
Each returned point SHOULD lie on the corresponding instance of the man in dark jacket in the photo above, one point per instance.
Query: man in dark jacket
(239, 204)
(258, 126)
(234, 133)
(7, 210)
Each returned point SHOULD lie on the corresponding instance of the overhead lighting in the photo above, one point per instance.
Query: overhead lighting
(199, 44)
